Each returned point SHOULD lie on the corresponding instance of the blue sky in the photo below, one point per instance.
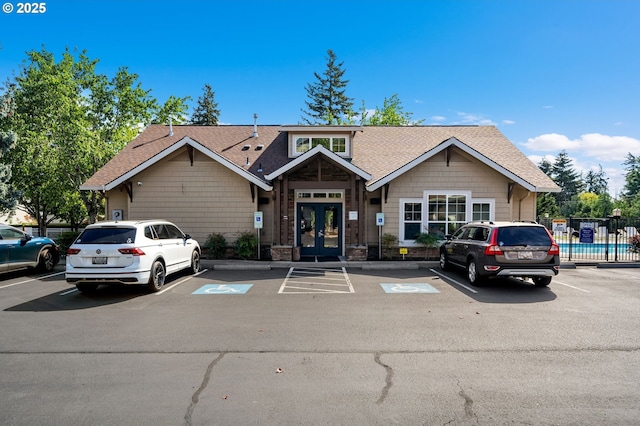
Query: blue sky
(550, 74)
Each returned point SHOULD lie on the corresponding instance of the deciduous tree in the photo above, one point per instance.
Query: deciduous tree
(69, 121)
(8, 196)
(391, 114)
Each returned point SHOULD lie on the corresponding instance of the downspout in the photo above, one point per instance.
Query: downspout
(520, 204)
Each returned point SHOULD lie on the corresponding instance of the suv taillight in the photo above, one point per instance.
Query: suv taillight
(72, 251)
(134, 251)
(555, 248)
(493, 248)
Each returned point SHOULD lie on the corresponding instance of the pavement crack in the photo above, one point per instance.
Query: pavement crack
(388, 379)
(468, 404)
(196, 396)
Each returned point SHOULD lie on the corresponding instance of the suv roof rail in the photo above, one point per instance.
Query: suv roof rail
(490, 222)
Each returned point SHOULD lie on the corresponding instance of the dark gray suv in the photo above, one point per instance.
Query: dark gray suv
(502, 249)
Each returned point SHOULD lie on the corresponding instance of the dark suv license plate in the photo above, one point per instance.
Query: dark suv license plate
(525, 255)
(99, 261)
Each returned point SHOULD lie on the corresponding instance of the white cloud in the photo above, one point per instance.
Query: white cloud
(551, 142)
(418, 101)
(601, 147)
(536, 159)
(613, 172)
(508, 122)
(438, 118)
(474, 119)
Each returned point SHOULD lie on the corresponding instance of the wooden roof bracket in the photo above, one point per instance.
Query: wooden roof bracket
(386, 192)
(448, 154)
(190, 153)
(510, 192)
(128, 186)
(252, 187)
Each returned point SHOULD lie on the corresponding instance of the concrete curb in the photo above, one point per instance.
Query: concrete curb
(257, 265)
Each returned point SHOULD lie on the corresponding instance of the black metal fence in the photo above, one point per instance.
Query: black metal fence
(609, 239)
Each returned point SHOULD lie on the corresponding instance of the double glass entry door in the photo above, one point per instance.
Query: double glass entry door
(320, 232)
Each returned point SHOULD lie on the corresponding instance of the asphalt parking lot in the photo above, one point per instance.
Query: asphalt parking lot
(322, 345)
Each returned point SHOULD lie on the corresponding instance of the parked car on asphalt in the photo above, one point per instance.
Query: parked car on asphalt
(19, 250)
(130, 252)
(502, 249)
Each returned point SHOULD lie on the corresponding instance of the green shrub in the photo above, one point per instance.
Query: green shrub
(427, 240)
(388, 242)
(247, 245)
(216, 245)
(65, 239)
(430, 241)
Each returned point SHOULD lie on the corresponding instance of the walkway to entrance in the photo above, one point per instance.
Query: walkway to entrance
(308, 280)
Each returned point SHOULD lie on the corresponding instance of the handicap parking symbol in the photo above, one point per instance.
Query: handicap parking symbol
(408, 288)
(223, 289)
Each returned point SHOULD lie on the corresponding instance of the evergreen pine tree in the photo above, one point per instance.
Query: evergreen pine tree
(328, 103)
(596, 182)
(569, 181)
(206, 112)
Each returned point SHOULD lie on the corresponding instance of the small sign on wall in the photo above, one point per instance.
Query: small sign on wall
(353, 215)
(116, 214)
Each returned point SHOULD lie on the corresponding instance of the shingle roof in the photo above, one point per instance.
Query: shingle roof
(377, 150)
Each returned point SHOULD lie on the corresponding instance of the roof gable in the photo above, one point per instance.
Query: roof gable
(185, 141)
(318, 150)
(379, 153)
(387, 152)
(443, 146)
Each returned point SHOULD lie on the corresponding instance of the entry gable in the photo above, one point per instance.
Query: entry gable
(186, 141)
(454, 142)
(319, 150)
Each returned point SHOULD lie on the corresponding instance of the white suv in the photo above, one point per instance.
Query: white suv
(130, 252)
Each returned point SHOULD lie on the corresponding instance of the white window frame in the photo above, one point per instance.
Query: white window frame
(295, 137)
(492, 207)
(469, 202)
(401, 237)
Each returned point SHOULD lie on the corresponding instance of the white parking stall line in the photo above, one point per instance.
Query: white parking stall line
(441, 275)
(177, 283)
(73, 290)
(571, 286)
(310, 290)
(31, 280)
(316, 280)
